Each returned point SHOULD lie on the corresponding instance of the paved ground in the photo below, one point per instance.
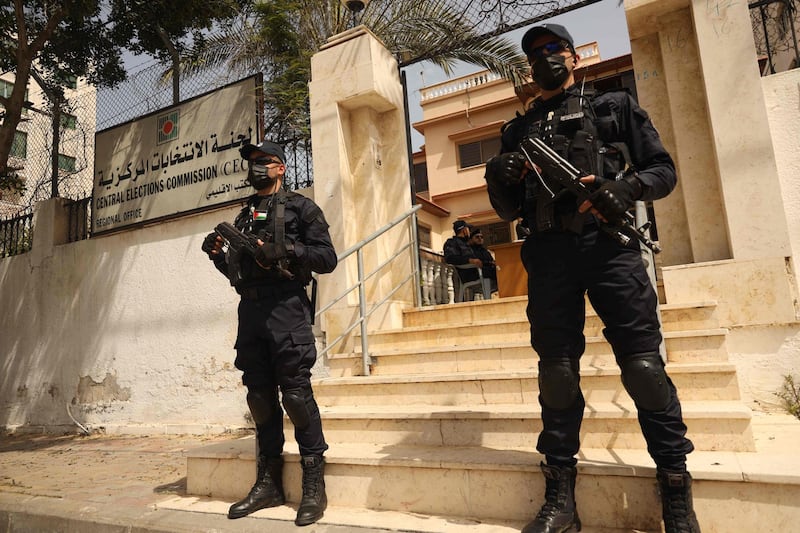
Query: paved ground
(102, 483)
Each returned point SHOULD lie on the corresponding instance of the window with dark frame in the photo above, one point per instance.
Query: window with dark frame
(496, 233)
(70, 81)
(66, 163)
(68, 121)
(421, 177)
(19, 146)
(5, 91)
(476, 153)
(424, 236)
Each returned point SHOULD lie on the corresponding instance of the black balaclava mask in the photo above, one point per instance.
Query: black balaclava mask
(258, 178)
(550, 71)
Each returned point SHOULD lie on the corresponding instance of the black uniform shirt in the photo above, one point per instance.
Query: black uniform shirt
(306, 230)
(458, 252)
(619, 119)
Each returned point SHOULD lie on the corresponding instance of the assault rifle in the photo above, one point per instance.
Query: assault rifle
(565, 174)
(239, 243)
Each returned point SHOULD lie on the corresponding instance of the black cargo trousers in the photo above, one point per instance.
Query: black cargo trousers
(562, 268)
(275, 350)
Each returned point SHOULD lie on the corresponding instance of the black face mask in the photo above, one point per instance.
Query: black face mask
(258, 178)
(550, 72)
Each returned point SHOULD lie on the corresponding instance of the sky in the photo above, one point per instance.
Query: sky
(603, 22)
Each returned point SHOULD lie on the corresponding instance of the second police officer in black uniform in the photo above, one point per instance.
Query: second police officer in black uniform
(567, 256)
(275, 344)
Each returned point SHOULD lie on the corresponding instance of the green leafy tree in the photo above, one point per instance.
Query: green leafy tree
(278, 38)
(164, 28)
(61, 40)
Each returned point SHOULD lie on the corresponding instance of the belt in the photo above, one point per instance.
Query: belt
(268, 292)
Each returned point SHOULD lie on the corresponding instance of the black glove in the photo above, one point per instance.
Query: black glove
(506, 168)
(614, 198)
(267, 255)
(210, 243)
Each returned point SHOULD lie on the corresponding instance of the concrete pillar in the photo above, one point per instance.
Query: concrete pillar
(742, 141)
(50, 228)
(735, 219)
(361, 176)
(651, 84)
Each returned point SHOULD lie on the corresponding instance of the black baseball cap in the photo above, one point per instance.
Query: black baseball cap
(268, 147)
(537, 31)
(458, 225)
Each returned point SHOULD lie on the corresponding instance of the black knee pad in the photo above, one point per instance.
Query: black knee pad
(295, 401)
(559, 382)
(262, 403)
(646, 381)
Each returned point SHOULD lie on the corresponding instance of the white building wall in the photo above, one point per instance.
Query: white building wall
(133, 331)
(782, 98)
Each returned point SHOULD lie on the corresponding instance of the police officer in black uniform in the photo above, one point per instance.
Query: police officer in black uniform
(457, 252)
(567, 255)
(275, 345)
(488, 264)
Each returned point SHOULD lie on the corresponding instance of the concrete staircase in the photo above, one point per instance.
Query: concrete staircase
(447, 423)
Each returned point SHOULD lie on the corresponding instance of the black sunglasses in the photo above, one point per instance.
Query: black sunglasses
(267, 161)
(549, 48)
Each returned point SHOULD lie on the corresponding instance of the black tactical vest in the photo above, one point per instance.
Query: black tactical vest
(269, 219)
(583, 130)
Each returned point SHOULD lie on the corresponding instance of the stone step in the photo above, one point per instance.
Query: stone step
(721, 425)
(695, 381)
(703, 346)
(479, 334)
(616, 489)
(698, 315)
(366, 520)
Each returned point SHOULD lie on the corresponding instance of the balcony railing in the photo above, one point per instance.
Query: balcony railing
(459, 84)
(436, 279)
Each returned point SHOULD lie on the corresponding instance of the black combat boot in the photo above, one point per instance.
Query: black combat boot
(267, 491)
(314, 500)
(675, 489)
(558, 514)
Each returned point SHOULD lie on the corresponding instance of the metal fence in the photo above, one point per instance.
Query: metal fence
(16, 235)
(775, 25)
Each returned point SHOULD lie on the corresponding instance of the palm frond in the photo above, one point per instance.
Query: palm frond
(278, 38)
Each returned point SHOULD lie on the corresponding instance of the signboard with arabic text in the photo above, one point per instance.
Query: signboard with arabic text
(176, 160)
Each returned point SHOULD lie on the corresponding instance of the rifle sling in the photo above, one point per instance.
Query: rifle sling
(279, 227)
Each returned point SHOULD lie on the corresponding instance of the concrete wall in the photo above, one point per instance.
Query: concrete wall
(782, 99)
(132, 331)
(731, 228)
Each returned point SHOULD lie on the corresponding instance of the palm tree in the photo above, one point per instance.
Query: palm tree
(278, 38)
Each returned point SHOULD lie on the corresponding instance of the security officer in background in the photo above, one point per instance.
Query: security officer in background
(488, 264)
(457, 252)
(611, 139)
(275, 345)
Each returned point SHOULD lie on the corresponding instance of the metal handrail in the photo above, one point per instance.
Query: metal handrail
(363, 313)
